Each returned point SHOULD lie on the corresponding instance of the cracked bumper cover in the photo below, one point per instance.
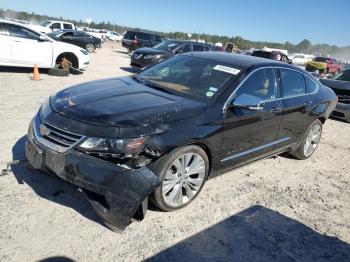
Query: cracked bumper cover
(123, 189)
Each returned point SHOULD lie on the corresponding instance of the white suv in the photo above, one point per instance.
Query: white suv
(49, 26)
(22, 46)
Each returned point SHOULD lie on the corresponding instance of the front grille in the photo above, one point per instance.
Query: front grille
(53, 137)
(59, 136)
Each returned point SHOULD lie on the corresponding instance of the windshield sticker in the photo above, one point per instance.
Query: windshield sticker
(214, 89)
(209, 94)
(227, 69)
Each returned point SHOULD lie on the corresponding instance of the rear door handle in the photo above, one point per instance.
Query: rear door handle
(17, 41)
(276, 109)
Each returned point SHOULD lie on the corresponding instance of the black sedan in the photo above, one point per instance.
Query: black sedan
(161, 133)
(341, 86)
(144, 57)
(79, 38)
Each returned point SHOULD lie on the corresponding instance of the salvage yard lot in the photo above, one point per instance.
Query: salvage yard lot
(278, 209)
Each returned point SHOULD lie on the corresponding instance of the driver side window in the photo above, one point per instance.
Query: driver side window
(21, 32)
(261, 85)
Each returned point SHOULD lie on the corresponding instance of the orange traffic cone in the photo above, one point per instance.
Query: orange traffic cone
(36, 73)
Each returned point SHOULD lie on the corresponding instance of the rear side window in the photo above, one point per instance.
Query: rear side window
(158, 39)
(293, 83)
(129, 35)
(4, 29)
(144, 36)
(310, 85)
(67, 26)
(198, 48)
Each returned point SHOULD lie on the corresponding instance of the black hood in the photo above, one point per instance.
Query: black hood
(151, 51)
(336, 84)
(123, 102)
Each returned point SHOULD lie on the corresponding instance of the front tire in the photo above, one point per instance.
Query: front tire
(90, 47)
(182, 174)
(310, 141)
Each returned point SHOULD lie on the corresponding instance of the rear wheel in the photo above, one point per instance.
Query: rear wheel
(310, 141)
(90, 47)
(182, 174)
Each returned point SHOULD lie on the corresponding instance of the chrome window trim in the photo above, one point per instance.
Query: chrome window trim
(269, 100)
(254, 149)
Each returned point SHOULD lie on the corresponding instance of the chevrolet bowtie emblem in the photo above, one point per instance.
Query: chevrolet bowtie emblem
(43, 130)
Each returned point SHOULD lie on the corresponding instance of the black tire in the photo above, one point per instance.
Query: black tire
(58, 72)
(299, 153)
(90, 47)
(161, 166)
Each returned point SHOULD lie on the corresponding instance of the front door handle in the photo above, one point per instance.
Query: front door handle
(276, 109)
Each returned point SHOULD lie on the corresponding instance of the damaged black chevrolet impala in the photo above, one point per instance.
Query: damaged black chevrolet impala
(161, 133)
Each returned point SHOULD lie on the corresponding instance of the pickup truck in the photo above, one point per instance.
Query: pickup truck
(323, 65)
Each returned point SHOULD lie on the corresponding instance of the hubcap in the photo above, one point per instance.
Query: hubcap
(183, 179)
(312, 140)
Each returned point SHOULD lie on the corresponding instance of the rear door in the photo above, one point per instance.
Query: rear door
(28, 49)
(5, 44)
(297, 92)
(252, 134)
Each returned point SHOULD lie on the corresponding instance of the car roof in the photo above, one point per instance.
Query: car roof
(242, 61)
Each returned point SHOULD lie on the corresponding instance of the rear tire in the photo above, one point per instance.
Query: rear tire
(58, 72)
(180, 186)
(310, 141)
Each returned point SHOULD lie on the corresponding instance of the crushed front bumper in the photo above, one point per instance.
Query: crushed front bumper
(116, 193)
(342, 111)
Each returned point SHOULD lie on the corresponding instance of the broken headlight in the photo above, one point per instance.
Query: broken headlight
(117, 147)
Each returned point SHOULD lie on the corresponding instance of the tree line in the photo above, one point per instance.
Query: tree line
(305, 46)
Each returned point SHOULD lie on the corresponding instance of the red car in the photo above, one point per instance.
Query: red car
(324, 65)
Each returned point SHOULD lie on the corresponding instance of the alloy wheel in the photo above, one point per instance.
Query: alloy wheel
(312, 139)
(183, 180)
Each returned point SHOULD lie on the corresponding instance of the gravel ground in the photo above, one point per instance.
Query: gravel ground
(278, 209)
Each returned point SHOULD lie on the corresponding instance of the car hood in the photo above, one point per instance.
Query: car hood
(150, 51)
(336, 84)
(122, 102)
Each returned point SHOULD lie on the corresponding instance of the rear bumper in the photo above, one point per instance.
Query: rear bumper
(342, 111)
(116, 193)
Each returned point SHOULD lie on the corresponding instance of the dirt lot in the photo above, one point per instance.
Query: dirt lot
(274, 210)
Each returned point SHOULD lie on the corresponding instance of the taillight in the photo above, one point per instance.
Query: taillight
(135, 41)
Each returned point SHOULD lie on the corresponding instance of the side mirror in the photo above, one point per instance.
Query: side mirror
(247, 102)
(43, 38)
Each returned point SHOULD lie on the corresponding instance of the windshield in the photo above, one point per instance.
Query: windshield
(167, 45)
(343, 76)
(45, 23)
(189, 76)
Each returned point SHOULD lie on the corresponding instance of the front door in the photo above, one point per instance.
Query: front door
(28, 49)
(252, 133)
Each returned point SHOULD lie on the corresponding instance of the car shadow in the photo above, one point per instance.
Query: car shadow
(49, 186)
(130, 69)
(257, 234)
(121, 52)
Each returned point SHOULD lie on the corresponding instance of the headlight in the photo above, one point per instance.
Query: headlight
(123, 147)
(84, 52)
(151, 56)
